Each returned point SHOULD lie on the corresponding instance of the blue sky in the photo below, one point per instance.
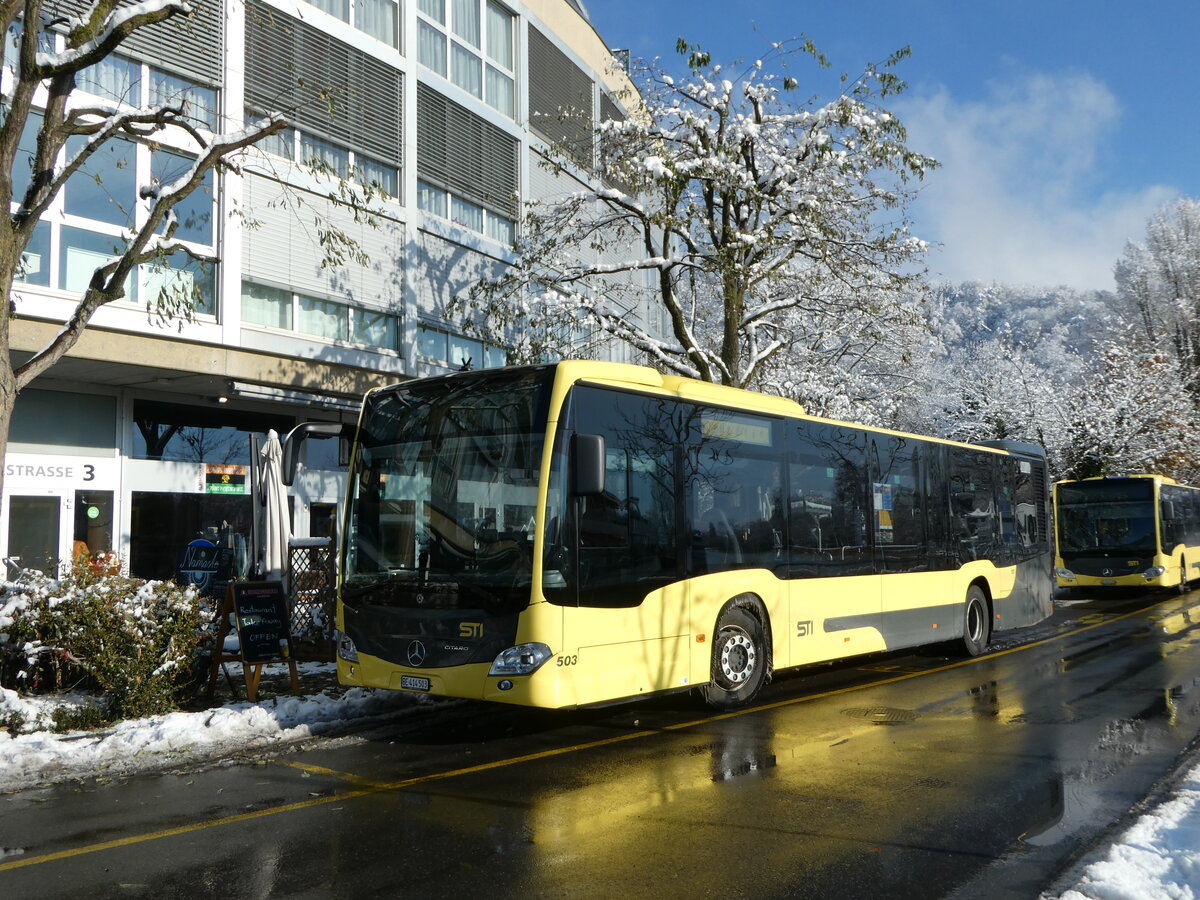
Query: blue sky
(1061, 125)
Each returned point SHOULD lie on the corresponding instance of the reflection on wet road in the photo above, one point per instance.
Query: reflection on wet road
(905, 776)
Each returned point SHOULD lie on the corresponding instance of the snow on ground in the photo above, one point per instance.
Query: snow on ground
(1157, 858)
(180, 738)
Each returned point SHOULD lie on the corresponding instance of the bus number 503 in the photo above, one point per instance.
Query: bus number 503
(568, 660)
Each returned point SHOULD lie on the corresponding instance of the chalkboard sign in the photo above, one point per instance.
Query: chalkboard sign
(260, 611)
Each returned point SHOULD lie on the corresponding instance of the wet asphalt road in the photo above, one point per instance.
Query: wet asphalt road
(902, 776)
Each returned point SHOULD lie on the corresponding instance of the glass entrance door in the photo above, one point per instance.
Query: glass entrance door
(35, 531)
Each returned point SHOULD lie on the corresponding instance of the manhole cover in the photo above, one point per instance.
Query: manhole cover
(881, 715)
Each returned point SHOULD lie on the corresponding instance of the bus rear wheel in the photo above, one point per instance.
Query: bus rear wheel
(977, 623)
(739, 660)
(1183, 576)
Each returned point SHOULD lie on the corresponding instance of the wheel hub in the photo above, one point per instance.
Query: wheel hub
(737, 657)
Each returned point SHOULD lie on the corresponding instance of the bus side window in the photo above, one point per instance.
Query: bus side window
(827, 491)
(973, 509)
(627, 536)
(899, 505)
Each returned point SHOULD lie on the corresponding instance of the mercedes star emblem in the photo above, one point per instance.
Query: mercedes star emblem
(416, 653)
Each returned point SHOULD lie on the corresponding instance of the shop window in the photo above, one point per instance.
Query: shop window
(172, 431)
(33, 532)
(162, 525)
(322, 520)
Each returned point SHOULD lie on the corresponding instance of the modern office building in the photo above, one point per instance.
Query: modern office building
(137, 442)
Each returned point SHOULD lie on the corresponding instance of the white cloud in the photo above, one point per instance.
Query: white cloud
(1020, 197)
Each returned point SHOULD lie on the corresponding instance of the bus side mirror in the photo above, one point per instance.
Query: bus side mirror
(296, 438)
(587, 464)
(1168, 511)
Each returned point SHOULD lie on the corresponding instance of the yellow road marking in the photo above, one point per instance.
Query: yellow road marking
(370, 787)
(333, 773)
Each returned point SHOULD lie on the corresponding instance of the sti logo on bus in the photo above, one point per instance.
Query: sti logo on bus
(470, 629)
(804, 629)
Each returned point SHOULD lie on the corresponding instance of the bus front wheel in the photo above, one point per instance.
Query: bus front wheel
(1183, 576)
(739, 660)
(977, 623)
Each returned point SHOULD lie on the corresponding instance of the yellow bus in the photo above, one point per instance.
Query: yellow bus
(584, 533)
(1131, 531)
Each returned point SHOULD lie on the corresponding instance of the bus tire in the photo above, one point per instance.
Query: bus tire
(1183, 575)
(977, 622)
(739, 660)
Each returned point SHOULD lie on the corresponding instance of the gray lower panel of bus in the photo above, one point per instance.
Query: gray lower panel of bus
(1031, 596)
(1026, 605)
(447, 637)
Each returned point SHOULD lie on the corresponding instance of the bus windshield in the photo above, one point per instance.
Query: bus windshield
(444, 489)
(1098, 516)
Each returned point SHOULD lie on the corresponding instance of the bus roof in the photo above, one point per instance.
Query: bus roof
(629, 375)
(1165, 479)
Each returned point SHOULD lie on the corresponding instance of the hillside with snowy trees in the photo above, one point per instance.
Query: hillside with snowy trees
(1107, 382)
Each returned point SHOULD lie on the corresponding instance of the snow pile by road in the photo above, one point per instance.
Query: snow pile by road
(177, 738)
(1158, 858)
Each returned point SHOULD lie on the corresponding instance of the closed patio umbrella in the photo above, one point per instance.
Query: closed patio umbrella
(277, 524)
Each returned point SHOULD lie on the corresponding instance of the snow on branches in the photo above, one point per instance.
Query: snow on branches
(727, 232)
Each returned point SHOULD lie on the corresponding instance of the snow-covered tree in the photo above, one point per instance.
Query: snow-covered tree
(1159, 282)
(739, 234)
(1064, 369)
(1131, 413)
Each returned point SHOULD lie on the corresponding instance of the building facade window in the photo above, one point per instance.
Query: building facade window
(342, 100)
(318, 317)
(378, 18)
(133, 83)
(476, 38)
(331, 158)
(457, 351)
(88, 224)
(461, 211)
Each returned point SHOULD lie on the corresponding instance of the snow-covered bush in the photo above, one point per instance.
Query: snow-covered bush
(132, 641)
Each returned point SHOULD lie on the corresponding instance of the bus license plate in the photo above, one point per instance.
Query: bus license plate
(1108, 582)
(413, 683)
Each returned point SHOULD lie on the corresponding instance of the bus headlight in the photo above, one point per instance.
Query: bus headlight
(1065, 574)
(523, 659)
(1154, 572)
(345, 647)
